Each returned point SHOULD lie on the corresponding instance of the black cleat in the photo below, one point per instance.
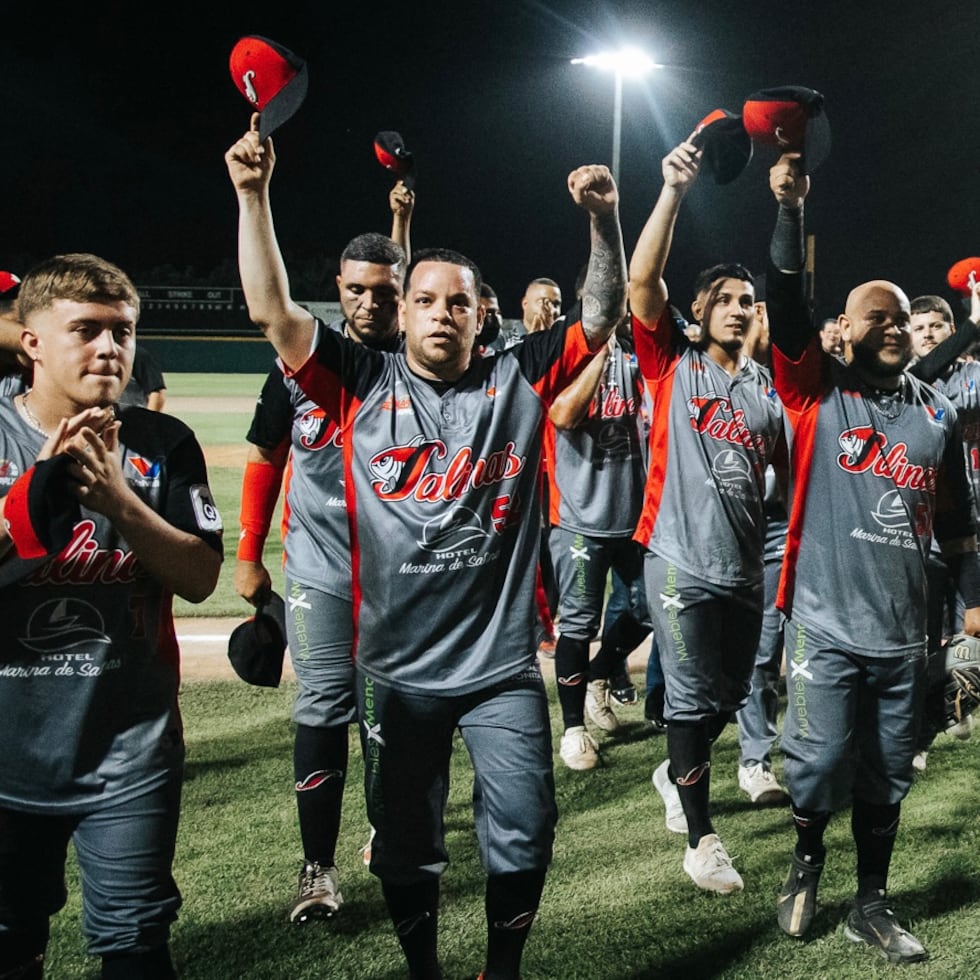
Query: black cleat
(797, 901)
(872, 921)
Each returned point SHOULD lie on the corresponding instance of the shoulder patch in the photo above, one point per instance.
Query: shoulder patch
(205, 509)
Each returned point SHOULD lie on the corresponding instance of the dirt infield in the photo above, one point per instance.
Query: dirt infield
(204, 651)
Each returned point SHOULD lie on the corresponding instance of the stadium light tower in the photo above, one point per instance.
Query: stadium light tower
(627, 62)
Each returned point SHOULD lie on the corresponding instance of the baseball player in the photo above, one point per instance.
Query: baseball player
(442, 460)
(887, 450)
(104, 520)
(596, 469)
(716, 419)
(291, 433)
(937, 346)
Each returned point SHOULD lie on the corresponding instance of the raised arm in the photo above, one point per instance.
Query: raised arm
(604, 292)
(401, 200)
(789, 317)
(263, 273)
(648, 291)
(953, 347)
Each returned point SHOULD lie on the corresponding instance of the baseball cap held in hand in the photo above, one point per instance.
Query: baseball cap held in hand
(272, 79)
(790, 118)
(725, 145)
(393, 155)
(256, 647)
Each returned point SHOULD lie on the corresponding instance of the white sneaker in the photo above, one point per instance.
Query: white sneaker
(579, 749)
(760, 784)
(597, 705)
(675, 820)
(710, 867)
(919, 761)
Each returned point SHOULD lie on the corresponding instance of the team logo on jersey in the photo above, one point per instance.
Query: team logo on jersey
(937, 415)
(148, 470)
(613, 439)
(9, 471)
(891, 510)
(83, 561)
(401, 472)
(865, 450)
(61, 624)
(451, 531)
(715, 417)
(316, 431)
(614, 406)
(731, 466)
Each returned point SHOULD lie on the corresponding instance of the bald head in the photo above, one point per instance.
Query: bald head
(860, 295)
(875, 330)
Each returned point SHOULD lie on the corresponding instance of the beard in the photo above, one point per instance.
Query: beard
(870, 363)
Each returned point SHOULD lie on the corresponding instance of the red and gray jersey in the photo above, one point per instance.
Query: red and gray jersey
(962, 387)
(316, 540)
(873, 475)
(710, 441)
(441, 484)
(89, 665)
(597, 469)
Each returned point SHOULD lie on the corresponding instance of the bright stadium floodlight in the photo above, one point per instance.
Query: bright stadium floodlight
(628, 62)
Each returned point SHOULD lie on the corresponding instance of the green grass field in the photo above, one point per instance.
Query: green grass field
(617, 904)
(223, 423)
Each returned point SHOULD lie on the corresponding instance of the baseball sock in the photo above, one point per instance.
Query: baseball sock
(874, 827)
(320, 768)
(571, 670)
(414, 911)
(689, 748)
(154, 964)
(716, 725)
(511, 904)
(810, 825)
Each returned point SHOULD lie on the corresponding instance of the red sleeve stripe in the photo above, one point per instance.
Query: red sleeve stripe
(17, 516)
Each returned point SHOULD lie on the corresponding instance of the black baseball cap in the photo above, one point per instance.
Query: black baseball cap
(272, 79)
(725, 145)
(256, 648)
(393, 155)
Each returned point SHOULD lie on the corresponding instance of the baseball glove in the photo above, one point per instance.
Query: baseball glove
(962, 691)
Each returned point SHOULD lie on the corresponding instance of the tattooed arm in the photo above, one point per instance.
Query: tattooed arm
(604, 293)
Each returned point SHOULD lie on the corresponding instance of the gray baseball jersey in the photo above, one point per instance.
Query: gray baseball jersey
(316, 542)
(597, 469)
(89, 666)
(962, 387)
(441, 485)
(710, 441)
(873, 476)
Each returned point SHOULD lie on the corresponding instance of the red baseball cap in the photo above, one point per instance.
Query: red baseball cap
(790, 118)
(9, 285)
(963, 274)
(393, 155)
(725, 145)
(272, 79)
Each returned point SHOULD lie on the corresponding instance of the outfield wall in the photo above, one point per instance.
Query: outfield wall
(206, 330)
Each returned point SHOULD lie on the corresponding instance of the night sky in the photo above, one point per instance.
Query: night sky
(114, 133)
